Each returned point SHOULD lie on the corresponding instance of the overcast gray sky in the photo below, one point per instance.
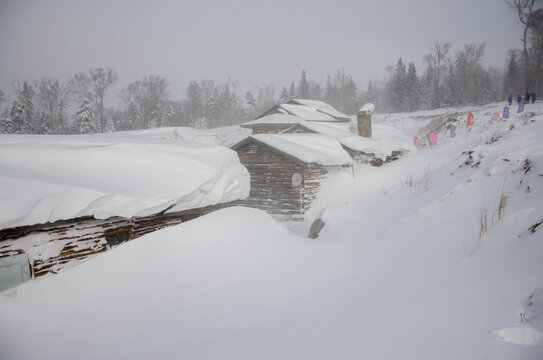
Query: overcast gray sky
(253, 42)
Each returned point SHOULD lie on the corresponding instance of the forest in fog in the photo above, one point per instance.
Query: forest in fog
(449, 77)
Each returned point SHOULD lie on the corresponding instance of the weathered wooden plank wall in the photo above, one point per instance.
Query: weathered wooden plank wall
(268, 128)
(271, 181)
(53, 246)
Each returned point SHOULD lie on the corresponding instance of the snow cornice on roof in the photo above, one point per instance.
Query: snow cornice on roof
(305, 110)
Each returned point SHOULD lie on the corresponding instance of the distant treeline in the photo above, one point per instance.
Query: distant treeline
(448, 79)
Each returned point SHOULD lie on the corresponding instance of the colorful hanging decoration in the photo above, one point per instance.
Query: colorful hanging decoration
(470, 119)
(433, 138)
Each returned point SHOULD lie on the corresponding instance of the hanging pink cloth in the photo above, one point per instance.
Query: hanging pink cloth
(416, 142)
(433, 138)
(470, 119)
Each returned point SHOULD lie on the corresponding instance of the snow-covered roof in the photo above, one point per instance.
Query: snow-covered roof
(322, 107)
(383, 142)
(307, 112)
(309, 148)
(44, 179)
(276, 119)
(303, 110)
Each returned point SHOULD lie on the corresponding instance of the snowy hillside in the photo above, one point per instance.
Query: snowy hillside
(434, 256)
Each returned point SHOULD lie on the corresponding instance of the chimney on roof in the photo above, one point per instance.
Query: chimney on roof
(363, 117)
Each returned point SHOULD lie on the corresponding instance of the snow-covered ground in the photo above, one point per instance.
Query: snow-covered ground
(417, 260)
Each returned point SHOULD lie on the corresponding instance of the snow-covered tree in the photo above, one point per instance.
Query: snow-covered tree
(6, 124)
(315, 90)
(146, 102)
(283, 96)
(22, 111)
(266, 99)
(249, 106)
(292, 90)
(84, 119)
(413, 95)
(342, 93)
(398, 87)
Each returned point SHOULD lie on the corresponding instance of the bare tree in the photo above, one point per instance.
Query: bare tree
(524, 10)
(469, 75)
(80, 88)
(147, 102)
(101, 80)
(536, 41)
(50, 94)
(437, 66)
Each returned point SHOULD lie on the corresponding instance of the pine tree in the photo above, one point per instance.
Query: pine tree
(42, 123)
(303, 87)
(250, 105)
(22, 111)
(329, 95)
(283, 97)
(513, 75)
(292, 91)
(398, 86)
(412, 100)
(6, 124)
(84, 119)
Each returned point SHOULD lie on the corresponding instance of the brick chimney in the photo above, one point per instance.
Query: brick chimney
(363, 119)
(364, 123)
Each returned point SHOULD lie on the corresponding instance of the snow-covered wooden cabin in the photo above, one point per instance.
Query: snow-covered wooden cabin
(287, 170)
(67, 198)
(375, 144)
(283, 116)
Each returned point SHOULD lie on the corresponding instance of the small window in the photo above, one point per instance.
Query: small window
(14, 270)
(297, 180)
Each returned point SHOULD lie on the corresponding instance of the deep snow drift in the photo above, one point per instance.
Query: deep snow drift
(49, 178)
(417, 260)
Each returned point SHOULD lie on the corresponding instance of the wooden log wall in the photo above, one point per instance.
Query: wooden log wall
(271, 181)
(269, 128)
(53, 246)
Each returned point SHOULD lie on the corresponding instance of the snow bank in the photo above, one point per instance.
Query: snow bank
(310, 148)
(44, 179)
(224, 136)
(520, 336)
